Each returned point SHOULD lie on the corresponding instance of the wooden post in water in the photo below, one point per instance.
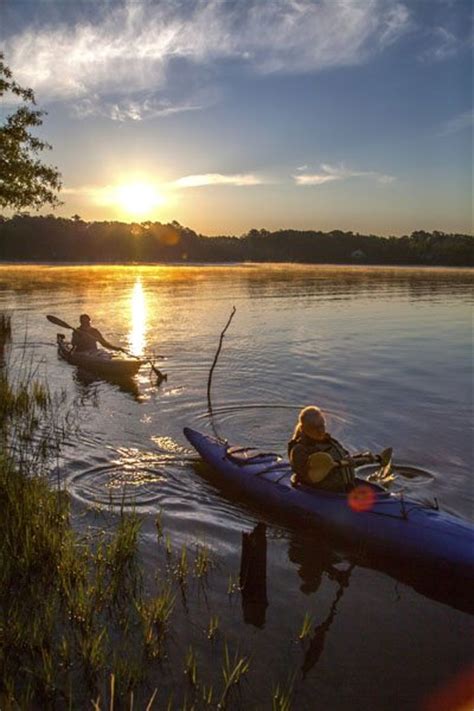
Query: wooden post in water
(253, 575)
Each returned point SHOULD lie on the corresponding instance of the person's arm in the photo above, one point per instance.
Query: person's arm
(345, 459)
(299, 461)
(364, 458)
(105, 343)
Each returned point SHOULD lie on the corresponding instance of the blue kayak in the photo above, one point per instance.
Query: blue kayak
(369, 516)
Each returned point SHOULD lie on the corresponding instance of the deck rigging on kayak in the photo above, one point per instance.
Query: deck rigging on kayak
(100, 361)
(381, 522)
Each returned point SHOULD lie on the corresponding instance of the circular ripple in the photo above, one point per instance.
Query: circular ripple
(130, 477)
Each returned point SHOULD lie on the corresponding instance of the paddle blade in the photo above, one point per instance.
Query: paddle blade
(320, 464)
(386, 457)
(384, 474)
(58, 322)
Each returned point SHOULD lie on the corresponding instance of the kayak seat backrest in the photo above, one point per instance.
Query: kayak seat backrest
(240, 450)
(248, 455)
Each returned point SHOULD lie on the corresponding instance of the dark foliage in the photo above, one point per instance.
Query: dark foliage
(24, 180)
(50, 238)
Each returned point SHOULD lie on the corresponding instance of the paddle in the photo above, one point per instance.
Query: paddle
(59, 322)
(384, 474)
(321, 463)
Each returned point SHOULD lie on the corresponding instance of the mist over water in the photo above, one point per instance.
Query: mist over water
(385, 352)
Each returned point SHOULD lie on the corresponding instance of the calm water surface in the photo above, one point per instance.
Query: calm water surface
(386, 352)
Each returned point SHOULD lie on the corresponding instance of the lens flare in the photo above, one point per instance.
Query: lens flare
(362, 498)
(457, 694)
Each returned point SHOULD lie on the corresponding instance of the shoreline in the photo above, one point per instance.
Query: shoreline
(347, 265)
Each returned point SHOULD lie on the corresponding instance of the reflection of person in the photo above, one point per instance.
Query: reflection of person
(310, 437)
(85, 338)
(314, 560)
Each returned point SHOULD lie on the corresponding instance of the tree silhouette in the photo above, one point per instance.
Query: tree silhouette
(24, 180)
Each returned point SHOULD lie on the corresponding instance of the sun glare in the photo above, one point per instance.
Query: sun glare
(138, 198)
(138, 307)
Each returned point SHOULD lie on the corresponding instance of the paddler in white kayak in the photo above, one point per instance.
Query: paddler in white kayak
(319, 460)
(86, 337)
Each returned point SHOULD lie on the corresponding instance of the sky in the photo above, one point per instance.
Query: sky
(227, 115)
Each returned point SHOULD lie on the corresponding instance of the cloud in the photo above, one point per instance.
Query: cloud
(458, 123)
(315, 179)
(102, 195)
(134, 46)
(195, 181)
(396, 22)
(331, 173)
(445, 45)
(130, 109)
(110, 194)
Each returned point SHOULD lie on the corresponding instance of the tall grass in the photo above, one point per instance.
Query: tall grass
(67, 609)
(77, 628)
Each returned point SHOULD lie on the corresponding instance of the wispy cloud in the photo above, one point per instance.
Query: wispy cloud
(330, 173)
(104, 195)
(134, 47)
(458, 123)
(396, 22)
(195, 181)
(444, 44)
(130, 109)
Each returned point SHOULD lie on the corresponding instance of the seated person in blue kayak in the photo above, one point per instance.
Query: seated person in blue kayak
(86, 337)
(333, 469)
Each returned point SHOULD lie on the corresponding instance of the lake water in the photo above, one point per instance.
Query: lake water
(385, 352)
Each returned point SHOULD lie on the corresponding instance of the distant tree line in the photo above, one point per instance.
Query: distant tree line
(49, 238)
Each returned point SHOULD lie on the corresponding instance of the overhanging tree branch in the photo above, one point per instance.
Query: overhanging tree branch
(24, 180)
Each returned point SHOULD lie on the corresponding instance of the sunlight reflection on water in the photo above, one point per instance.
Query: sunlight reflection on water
(138, 319)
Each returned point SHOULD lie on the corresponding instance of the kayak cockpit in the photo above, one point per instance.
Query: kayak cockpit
(272, 467)
(98, 361)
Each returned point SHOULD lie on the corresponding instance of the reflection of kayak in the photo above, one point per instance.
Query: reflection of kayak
(369, 516)
(101, 362)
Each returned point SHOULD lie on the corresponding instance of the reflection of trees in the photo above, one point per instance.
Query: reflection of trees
(343, 283)
(60, 239)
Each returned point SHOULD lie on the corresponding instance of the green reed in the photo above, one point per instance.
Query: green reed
(213, 627)
(282, 694)
(233, 669)
(77, 628)
(306, 626)
(203, 562)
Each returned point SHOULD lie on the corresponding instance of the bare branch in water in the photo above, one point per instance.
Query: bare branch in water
(209, 381)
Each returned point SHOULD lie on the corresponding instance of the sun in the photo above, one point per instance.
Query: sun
(138, 198)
